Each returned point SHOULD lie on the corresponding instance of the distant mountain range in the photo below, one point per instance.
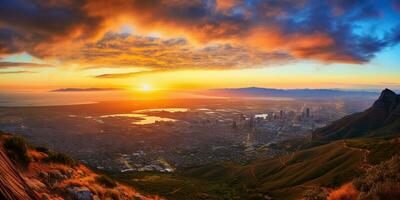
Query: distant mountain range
(271, 92)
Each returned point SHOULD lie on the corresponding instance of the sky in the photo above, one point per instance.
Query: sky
(199, 44)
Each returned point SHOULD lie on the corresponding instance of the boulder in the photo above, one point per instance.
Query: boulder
(34, 184)
(45, 196)
(55, 176)
(80, 193)
(43, 175)
(69, 173)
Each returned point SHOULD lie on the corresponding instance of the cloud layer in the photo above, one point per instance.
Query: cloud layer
(205, 34)
(4, 65)
(85, 89)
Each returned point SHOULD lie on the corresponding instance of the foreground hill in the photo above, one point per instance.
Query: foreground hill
(28, 173)
(289, 176)
(380, 120)
(317, 173)
(12, 185)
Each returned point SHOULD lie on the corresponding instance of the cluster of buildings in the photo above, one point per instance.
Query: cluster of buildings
(237, 132)
(131, 163)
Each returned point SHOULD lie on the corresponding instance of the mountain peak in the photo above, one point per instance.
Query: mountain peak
(388, 99)
(387, 91)
(383, 115)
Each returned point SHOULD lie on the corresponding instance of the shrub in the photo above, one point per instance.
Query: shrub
(315, 194)
(17, 149)
(345, 192)
(106, 181)
(114, 195)
(381, 181)
(387, 190)
(42, 149)
(56, 157)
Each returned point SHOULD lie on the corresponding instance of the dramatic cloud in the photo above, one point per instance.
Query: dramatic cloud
(222, 34)
(396, 5)
(129, 74)
(40, 27)
(85, 89)
(17, 72)
(4, 65)
(172, 54)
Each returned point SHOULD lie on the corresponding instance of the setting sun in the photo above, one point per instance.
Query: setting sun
(146, 87)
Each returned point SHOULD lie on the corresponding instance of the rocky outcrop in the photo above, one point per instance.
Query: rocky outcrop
(80, 193)
(12, 185)
(50, 180)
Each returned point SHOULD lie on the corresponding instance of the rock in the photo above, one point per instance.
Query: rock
(81, 173)
(69, 173)
(45, 196)
(34, 184)
(80, 193)
(55, 176)
(43, 175)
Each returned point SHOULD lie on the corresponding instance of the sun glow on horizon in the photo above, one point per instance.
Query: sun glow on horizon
(146, 88)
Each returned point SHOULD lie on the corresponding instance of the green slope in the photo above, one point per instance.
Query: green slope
(286, 177)
(326, 165)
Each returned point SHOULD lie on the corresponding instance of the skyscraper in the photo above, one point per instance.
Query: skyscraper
(307, 112)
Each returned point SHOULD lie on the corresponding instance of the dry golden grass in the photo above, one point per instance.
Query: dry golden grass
(80, 176)
(345, 192)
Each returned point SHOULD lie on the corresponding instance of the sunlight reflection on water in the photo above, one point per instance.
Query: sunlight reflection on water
(171, 110)
(143, 119)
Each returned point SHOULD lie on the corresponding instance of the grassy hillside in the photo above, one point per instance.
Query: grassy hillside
(32, 173)
(379, 150)
(178, 186)
(286, 177)
(326, 165)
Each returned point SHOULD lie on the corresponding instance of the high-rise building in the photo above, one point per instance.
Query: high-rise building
(241, 117)
(234, 125)
(251, 122)
(307, 112)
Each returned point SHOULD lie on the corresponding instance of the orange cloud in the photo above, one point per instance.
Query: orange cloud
(297, 29)
(224, 5)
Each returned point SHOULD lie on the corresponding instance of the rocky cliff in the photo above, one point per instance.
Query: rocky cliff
(12, 185)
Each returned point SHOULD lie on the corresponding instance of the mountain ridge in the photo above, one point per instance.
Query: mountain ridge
(380, 120)
(258, 91)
